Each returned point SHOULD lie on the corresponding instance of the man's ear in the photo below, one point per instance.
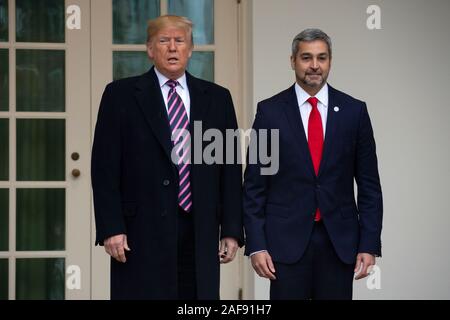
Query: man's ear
(293, 62)
(150, 50)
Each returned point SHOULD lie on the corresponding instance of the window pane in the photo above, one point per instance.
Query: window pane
(40, 279)
(130, 63)
(41, 149)
(127, 64)
(4, 80)
(201, 65)
(41, 219)
(3, 279)
(4, 149)
(130, 20)
(40, 20)
(201, 12)
(40, 80)
(3, 20)
(4, 218)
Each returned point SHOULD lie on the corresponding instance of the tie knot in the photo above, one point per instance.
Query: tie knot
(172, 83)
(313, 101)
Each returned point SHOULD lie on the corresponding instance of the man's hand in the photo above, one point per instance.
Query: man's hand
(363, 262)
(263, 265)
(115, 246)
(227, 250)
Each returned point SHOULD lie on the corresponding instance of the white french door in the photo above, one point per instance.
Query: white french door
(44, 151)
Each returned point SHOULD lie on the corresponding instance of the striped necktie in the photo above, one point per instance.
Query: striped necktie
(179, 126)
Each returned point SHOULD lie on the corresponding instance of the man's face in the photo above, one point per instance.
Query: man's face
(312, 65)
(170, 50)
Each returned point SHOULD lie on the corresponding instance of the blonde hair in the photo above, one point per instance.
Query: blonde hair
(161, 22)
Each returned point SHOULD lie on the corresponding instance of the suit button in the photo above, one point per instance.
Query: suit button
(166, 183)
(163, 213)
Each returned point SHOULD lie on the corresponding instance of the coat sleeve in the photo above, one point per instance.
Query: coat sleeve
(105, 169)
(255, 192)
(231, 182)
(370, 202)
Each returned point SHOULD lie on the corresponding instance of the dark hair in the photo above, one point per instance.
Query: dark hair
(310, 35)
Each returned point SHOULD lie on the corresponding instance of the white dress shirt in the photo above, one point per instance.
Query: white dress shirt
(182, 90)
(305, 107)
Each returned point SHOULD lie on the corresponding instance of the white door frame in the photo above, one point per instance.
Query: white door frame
(77, 121)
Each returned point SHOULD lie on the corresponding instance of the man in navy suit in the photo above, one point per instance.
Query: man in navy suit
(159, 216)
(304, 230)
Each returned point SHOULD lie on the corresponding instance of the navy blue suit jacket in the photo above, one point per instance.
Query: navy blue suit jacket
(279, 209)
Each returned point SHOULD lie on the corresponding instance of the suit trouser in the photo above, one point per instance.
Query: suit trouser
(187, 287)
(319, 274)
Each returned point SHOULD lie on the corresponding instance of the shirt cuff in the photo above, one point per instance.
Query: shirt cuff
(256, 252)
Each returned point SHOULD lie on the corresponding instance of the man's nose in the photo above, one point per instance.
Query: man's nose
(172, 46)
(314, 64)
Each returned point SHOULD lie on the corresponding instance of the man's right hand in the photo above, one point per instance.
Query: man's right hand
(116, 245)
(263, 265)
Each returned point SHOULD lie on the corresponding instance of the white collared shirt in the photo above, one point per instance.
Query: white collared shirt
(182, 90)
(305, 107)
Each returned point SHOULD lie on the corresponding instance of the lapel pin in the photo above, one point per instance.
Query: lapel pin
(336, 109)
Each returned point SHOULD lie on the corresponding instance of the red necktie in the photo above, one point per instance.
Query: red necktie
(315, 139)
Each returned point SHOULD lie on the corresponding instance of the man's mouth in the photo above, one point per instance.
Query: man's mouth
(173, 60)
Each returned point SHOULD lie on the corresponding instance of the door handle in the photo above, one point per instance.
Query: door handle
(75, 156)
(76, 173)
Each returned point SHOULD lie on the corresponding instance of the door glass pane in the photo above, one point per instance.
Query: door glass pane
(41, 80)
(201, 12)
(3, 20)
(40, 21)
(40, 219)
(4, 149)
(201, 65)
(3, 279)
(40, 279)
(41, 149)
(130, 63)
(4, 218)
(130, 20)
(4, 80)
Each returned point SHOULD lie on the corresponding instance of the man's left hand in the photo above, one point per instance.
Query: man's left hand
(363, 262)
(227, 250)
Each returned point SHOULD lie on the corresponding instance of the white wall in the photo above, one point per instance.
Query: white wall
(403, 73)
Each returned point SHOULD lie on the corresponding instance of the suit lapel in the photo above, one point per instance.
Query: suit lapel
(294, 118)
(151, 102)
(330, 131)
(200, 100)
